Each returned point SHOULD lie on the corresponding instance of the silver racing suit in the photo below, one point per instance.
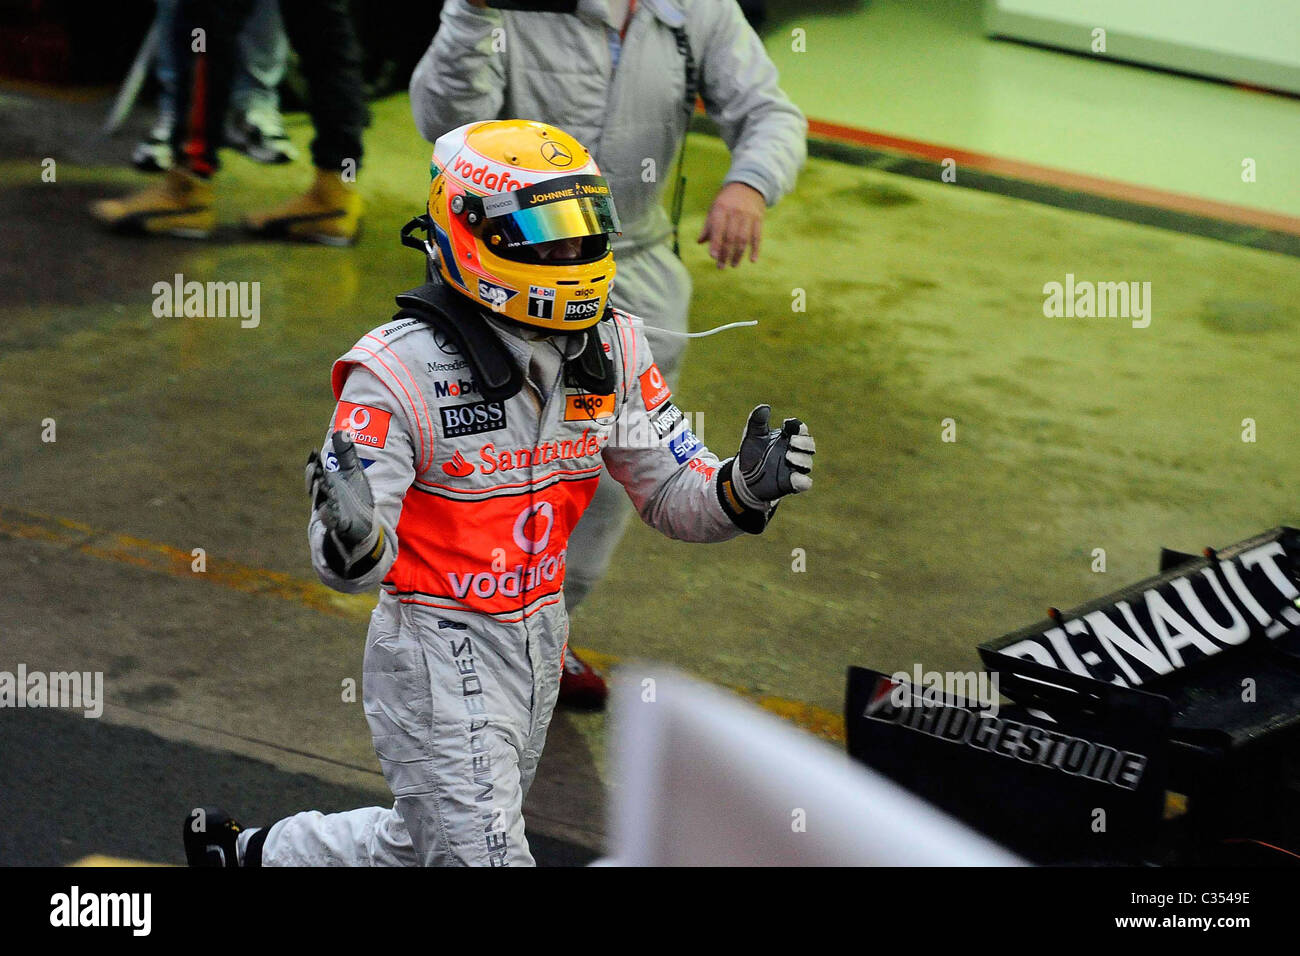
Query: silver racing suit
(477, 498)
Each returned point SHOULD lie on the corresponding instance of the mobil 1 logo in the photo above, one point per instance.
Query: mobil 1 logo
(473, 418)
(541, 301)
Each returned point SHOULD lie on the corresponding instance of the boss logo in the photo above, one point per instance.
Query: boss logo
(472, 419)
(577, 311)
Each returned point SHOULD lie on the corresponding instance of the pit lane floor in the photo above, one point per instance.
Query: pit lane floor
(923, 303)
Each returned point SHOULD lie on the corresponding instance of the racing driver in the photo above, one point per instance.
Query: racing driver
(467, 440)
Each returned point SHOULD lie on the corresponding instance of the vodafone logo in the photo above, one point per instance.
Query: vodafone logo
(527, 521)
(490, 175)
(368, 426)
(654, 390)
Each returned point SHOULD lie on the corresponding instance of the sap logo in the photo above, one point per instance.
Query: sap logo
(454, 389)
(684, 446)
(495, 295)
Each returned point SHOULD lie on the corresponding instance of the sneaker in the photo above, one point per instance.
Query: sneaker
(260, 136)
(154, 153)
(581, 686)
(329, 212)
(211, 838)
(180, 205)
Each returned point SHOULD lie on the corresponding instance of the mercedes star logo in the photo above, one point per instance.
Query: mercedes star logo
(555, 154)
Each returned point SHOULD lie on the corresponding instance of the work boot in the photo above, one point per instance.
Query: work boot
(211, 838)
(581, 686)
(329, 213)
(179, 205)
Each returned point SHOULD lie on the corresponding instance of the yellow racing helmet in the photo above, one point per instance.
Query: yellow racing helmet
(521, 219)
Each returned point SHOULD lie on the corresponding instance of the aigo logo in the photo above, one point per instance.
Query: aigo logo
(527, 522)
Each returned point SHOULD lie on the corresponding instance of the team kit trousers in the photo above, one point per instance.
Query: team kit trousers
(650, 281)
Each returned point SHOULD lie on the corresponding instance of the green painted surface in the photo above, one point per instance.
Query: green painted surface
(922, 69)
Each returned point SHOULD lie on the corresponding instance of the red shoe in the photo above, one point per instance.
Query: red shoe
(581, 687)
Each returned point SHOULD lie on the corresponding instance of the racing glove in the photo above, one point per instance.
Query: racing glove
(772, 463)
(341, 497)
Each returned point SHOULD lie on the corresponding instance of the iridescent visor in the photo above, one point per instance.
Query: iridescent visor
(556, 209)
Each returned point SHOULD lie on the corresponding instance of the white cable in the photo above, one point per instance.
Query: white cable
(694, 335)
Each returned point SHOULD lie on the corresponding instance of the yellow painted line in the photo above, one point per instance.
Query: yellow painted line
(163, 559)
(96, 859)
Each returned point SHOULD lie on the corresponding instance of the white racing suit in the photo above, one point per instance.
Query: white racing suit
(477, 499)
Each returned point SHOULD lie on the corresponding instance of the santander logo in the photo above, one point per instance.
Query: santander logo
(458, 467)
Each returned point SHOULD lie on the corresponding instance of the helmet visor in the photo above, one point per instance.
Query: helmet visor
(567, 208)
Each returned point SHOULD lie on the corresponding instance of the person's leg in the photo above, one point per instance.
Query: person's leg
(443, 709)
(165, 56)
(253, 124)
(654, 286)
(263, 55)
(329, 212)
(373, 836)
(154, 153)
(329, 55)
(181, 205)
(205, 30)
